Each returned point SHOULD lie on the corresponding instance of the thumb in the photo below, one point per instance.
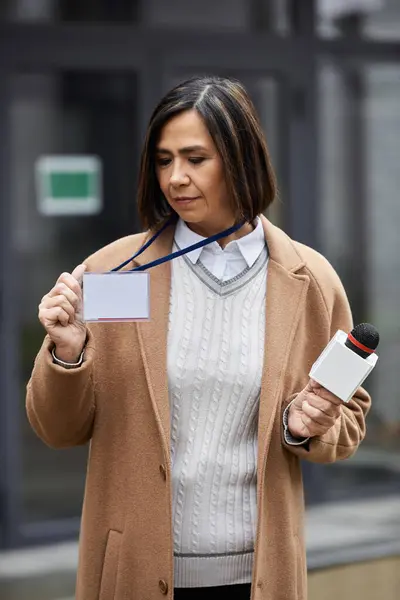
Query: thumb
(78, 272)
(313, 386)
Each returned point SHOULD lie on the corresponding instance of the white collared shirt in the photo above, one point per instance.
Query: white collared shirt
(223, 263)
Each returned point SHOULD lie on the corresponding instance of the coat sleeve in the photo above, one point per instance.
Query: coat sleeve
(343, 439)
(60, 402)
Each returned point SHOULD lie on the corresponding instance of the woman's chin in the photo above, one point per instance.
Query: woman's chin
(189, 214)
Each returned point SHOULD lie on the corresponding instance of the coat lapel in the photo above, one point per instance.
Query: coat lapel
(153, 334)
(286, 293)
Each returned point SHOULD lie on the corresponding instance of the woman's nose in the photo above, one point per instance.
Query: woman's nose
(178, 176)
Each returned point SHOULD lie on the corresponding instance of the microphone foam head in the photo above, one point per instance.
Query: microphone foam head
(366, 334)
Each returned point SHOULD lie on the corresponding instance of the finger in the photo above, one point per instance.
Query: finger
(309, 425)
(323, 405)
(47, 314)
(320, 391)
(61, 289)
(78, 272)
(70, 281)
(51, 316)
(312, 428)
(314, 385)
(62, 302)
(317, 416)
(327, 395)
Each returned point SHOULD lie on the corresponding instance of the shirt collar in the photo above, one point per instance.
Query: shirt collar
(249, 246)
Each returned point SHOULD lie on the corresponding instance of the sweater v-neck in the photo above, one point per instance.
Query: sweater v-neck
(230, 286)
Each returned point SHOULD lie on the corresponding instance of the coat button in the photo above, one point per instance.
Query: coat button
(163, 585)
(163, 472)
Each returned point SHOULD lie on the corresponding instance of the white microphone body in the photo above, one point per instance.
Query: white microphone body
(339, 369)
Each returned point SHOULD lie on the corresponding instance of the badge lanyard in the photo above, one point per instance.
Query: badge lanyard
(169, 257)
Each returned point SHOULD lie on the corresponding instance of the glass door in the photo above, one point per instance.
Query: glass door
(91, 118)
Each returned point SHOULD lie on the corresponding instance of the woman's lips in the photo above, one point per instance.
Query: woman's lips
(185, 200)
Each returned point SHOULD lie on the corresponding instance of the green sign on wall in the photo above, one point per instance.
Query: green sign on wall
(68, 185)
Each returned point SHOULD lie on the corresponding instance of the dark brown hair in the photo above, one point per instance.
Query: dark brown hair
(234, 126)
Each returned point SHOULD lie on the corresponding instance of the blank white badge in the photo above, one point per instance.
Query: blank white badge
(118, 296)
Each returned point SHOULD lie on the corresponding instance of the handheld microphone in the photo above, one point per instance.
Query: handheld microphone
(363, 339)
(347, 361)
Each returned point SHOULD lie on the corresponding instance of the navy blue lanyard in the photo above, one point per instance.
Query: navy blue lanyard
(159, 261)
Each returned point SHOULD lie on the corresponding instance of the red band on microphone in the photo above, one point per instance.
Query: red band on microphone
(359, 345)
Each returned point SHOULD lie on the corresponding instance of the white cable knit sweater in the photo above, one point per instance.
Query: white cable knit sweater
(215, 359)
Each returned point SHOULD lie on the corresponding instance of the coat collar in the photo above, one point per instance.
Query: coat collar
(285, 299)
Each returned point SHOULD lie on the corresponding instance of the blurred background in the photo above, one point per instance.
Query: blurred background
(78, 80)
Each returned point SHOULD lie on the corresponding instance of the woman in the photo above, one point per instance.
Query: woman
(198, 418)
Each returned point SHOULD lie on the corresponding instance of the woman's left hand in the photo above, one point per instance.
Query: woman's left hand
(314, 411)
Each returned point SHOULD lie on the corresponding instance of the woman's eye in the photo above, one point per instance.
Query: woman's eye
(163, 162)
(196, 160)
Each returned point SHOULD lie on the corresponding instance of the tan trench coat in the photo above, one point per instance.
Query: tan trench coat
(118, 400)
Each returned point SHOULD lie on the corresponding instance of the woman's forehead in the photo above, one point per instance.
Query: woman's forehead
(184, 130)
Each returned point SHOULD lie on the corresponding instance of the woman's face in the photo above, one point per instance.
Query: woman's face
(191, 174)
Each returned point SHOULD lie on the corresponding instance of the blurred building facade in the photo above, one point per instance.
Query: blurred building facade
(82, 78)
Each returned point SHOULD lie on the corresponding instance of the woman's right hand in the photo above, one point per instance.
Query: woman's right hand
(61, 314)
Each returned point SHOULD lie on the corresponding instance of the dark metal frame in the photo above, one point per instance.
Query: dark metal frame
(152, 54)
(9, 457)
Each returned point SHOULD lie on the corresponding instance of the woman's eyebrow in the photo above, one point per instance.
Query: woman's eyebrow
(185, 150)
